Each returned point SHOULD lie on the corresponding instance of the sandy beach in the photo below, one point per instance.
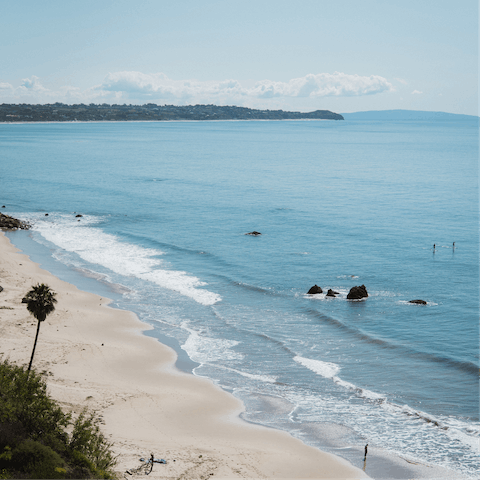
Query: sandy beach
(96, 357)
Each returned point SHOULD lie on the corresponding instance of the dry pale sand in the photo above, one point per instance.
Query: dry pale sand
(97, 357)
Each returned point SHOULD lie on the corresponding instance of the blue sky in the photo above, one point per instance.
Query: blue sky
(343, 55)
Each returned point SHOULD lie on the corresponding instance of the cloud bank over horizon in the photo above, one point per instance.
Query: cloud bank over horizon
(138, 87)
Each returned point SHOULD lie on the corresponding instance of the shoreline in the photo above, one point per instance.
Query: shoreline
(180, 120)
(98, 357)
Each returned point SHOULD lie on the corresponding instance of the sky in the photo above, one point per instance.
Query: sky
(301, 55)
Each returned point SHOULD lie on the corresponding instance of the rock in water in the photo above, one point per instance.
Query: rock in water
(418, 302)
(356, 293)
(12, 223)
(331, 293)
(315, 289)
(253, 233)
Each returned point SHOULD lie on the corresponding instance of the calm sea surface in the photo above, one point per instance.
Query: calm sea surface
(165, 210)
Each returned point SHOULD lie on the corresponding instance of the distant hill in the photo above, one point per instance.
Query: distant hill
(405, 115)
(59, 112)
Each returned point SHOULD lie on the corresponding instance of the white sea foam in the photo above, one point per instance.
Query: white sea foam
(204, 350)
(252, 376)
(97, 247)
(361, 392)
(330, 370)
(465, 433)
(325, 369)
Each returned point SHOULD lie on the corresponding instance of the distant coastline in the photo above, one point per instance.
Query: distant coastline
(59, 112)
(406, 115)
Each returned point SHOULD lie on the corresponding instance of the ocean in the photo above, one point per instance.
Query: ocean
(165, 210)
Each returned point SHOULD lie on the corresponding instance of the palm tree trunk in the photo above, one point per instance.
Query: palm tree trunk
(34, 345)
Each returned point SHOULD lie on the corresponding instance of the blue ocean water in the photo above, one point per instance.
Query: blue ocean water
(165, 210)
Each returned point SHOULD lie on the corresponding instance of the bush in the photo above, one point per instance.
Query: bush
(36, 460)
(88, 440)
(26, 408)
(34, 442)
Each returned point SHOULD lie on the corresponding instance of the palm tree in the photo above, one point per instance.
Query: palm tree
(40, 303)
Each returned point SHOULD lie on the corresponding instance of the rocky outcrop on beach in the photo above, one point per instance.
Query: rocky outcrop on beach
(10, 223)
(314, 290)
(418, 302)
(356, 293)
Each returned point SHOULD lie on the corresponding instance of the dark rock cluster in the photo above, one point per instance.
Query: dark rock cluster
(11, 223)
(356, 293)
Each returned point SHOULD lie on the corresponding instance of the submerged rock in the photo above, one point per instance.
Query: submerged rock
(314, 290)
(356, 293)
(332, 293)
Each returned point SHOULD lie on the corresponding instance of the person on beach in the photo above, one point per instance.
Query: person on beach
(365, 457)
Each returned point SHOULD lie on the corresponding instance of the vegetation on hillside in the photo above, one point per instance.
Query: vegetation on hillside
(39, 440)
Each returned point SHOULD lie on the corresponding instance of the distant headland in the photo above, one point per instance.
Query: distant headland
(60, 112)
(406, 115)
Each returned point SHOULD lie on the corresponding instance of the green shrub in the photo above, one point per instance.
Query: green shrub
(87, 439)
(34, 442)
(26, 407)
(37, 460)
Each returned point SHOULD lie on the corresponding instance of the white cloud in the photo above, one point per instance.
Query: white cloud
(320, 85)
(6, 89)
(138, 87)
(32, 85)
(417, 92)
(323, 85)
(159, 86)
